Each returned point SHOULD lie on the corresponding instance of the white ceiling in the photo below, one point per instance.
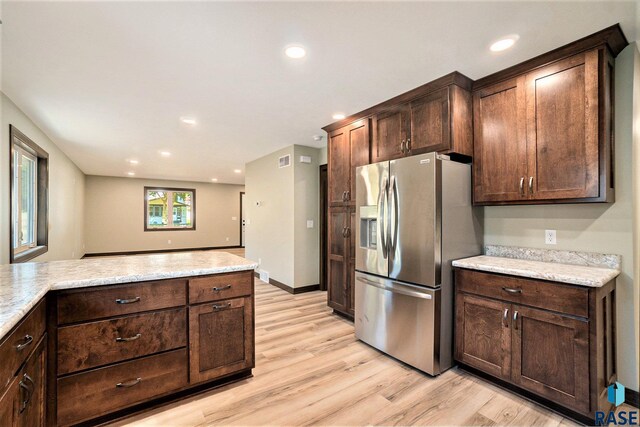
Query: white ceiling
(108, 81)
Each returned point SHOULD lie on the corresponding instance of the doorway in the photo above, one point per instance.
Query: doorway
(242, 219)
(323, 226)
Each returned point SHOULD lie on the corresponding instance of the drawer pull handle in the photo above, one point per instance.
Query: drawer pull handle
(505, 316)
(129, 383)
(28, 339)
(221, 306)
(28, 390)
(127, 301)
(221, 288)
(515, 319)
(133, 338)
(512, 290)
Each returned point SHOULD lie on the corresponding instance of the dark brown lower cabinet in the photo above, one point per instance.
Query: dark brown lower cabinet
(221, 338)
(525, 333)
(550, 356)
(23, 402)
(150, 340)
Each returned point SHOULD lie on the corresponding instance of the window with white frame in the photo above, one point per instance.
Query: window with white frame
(29, 201)
(169, 209)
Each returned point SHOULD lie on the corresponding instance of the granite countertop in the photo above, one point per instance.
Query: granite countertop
(23, 285)
(576, 268)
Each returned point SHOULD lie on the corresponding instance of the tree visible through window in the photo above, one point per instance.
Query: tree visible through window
(169, 208)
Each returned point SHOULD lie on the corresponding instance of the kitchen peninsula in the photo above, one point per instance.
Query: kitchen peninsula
(121, 331)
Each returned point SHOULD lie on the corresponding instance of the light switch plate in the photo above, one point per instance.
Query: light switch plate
(550, 237)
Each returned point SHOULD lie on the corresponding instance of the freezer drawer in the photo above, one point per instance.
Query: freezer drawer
(399, 319)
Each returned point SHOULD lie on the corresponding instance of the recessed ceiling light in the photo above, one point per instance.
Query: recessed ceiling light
(295, 51)
(237, 170)
(214, 179)
(188, 120)
(165, 153)
(338, 116)
(131, 173)
(504, 43)
(133, 162)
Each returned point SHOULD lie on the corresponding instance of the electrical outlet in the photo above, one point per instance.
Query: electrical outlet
(227, 239)
(234, 218)
(309, 223)
(550, 237)
(169, 242)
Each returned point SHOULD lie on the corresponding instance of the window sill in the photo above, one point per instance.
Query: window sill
(170, 229)
(29, 254)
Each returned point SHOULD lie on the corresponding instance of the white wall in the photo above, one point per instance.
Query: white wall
(66, 190)
(306, 207)
(269, 229)
(605, 228)
(114, 216)
(277, 233)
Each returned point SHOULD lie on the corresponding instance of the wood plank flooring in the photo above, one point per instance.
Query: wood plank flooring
(310, 370)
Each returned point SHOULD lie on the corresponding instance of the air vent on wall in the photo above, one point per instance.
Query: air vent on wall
(284, 161)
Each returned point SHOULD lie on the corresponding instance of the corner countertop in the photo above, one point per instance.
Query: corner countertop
(575, 268)
(23, 285)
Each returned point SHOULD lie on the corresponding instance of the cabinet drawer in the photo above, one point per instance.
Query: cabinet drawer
(82, 304)
(220, 286)
(15, 348)
(94, 393)
(536, 293)
(89, 345)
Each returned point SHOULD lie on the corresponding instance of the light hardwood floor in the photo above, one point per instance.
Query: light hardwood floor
(310, 369)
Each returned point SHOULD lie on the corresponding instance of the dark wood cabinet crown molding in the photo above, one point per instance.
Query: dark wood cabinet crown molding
(454, 78)
(612, 37)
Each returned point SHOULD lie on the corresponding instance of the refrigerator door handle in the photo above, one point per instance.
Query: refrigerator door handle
(393, 206)
(383, 200)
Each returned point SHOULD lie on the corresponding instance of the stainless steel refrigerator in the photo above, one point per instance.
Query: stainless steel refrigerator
(414, 216)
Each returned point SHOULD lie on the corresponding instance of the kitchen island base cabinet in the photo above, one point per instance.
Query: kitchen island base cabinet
(149, 342)
(221, 339)
(505, 330)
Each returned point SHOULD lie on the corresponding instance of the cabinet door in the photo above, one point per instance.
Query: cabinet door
(8, 403)
(390, 133)
(483, 334)
(30, 409)
(338, 166)
(551, 356)
(358, 135)
(500, 156)
(562, 129)
(221, 339)
(430, 126)
(351, 269)
(338, 259)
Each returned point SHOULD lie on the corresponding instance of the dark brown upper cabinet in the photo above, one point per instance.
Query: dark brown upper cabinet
(438, 121)
(543, 128)
(348, 148)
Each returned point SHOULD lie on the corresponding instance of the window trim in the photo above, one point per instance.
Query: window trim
(21, 141)
(173, 190)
